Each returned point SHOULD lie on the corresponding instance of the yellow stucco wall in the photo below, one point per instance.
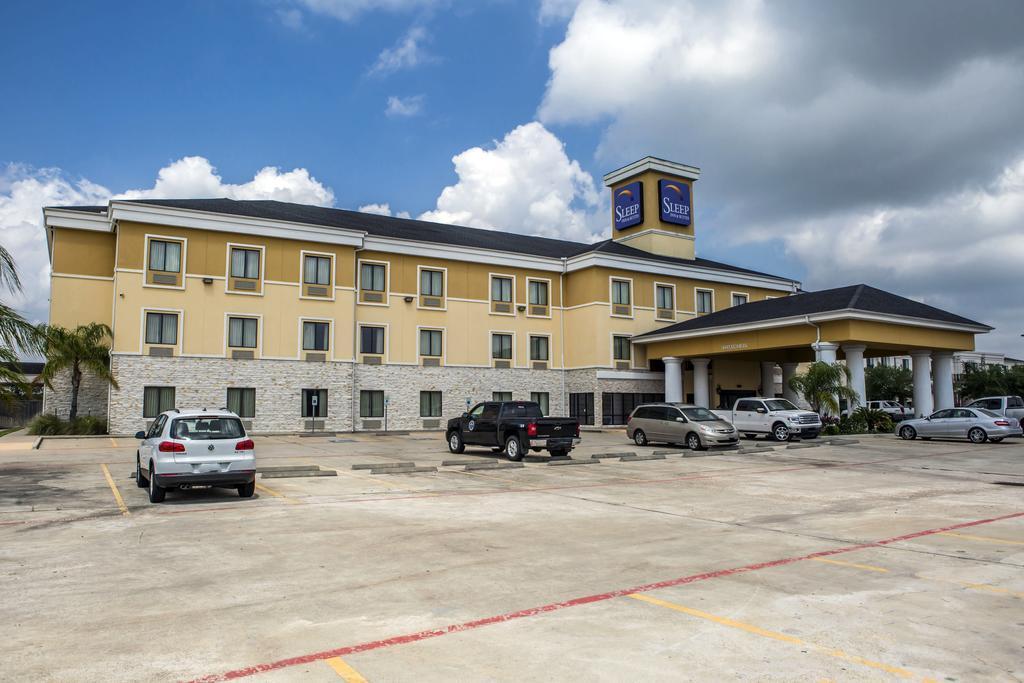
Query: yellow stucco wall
(78, 301)
(83, 252)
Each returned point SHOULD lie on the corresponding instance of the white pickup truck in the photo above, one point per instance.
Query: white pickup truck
(776, 418)
(1007, 406)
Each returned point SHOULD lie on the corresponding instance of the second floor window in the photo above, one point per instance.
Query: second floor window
(501, 346)
(538, 293)
(665, 298)
(620, 292)
(165, 256)
(245, 263)
(371, 340)
(621, 348)
(242, 332)
(703, 301)
(316, 270)
(430, 342)
(161, 328)
(501, 289)
(739, 299)
(314, 336)
(431, 283)
(371, 277)
(538, 348)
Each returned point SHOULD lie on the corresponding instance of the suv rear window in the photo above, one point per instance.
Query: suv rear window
(521, 410)
(207, 428)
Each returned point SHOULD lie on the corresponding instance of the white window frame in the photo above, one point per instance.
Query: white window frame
(142, 328)
(696, 308)
(420, 295)
(331, 341)
(513, 303)
(444, 343)
(227, 267)
(387, 281)
(302, 275)
(490, 347)
(675, 300)
(387, 339)
(551, 350)
(550, 306)
(611, 349)
(145, 261)
(732, 295)
(611, 298)
(258, 351)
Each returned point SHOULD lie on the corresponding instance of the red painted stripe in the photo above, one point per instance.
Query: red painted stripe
(534, 611)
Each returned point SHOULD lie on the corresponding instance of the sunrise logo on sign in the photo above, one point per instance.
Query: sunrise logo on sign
(674, 201)
(627, 207)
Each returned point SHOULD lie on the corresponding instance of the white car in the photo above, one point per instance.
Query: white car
(777, 418)
(186, 448)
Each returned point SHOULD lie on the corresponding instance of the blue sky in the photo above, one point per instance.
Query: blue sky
(840, 142)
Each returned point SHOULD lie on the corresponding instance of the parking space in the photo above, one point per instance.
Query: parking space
(864, 561)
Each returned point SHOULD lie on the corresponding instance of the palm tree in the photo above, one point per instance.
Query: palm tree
(823, 385)
(15, 333)
(80, 350)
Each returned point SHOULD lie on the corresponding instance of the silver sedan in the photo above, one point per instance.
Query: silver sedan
(975, 424)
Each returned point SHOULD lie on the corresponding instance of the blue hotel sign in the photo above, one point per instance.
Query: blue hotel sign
(628, 206)
(674, 201)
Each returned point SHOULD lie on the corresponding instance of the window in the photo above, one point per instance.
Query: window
(616, 407)
(430, 404)
(371, 404)
(371, 277)
(161, 328)
(664, 298)
(620, 292)
(314, 403)
(538, 348)
(490, 411)
(739, 299)
(1014, 402)
(621, 348)
(371, 340)
(242, 402)
(501, 396)
(520, 410)
(581, 407)
(501, 289)
(165, 256)
(245, 263)
(538, 293)
(242, 332)
(316, 270)
(431, 283)
(156, 400)
(430, 342)
(501, 346)
(314, 336)
(206, 429)
(704, 304)
(541, 398)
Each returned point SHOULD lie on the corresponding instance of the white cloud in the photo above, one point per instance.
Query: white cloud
(347, 10)
(382, 210)
(556, 10)
(526, 184)
(407, 53)
(24, 191)
(404, 106)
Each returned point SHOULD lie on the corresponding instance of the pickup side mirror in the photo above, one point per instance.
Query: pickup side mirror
(762, 411)
(140, 435)
(465, 415)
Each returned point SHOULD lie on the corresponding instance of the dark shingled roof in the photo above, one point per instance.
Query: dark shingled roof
(855, 297)
(423, 231)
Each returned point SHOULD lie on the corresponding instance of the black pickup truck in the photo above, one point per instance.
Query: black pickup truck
(515, 426)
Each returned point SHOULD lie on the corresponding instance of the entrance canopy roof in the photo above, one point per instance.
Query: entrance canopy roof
(783, 329)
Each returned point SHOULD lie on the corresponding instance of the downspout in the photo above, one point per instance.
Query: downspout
(355, 334)
(817, 329)
(561, 343)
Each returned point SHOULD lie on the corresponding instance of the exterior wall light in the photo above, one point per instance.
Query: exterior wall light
(408, 299)
(207, 280)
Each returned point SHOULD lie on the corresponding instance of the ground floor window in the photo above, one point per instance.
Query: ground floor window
(371, 404)
(501, 396)
(615, 407)
(314, 403)
(156, 400)
(242, 402)
(581, 407)
(430, 404)
(543, 399)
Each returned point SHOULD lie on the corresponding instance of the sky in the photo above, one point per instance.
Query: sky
(840, 143)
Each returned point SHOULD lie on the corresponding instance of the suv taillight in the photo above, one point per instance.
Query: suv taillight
(531, 429)
(245, 445)
(171, 447)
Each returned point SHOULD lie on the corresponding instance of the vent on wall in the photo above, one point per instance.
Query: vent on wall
(161, 351)
(242, 355)
(373, 297)
(502, 308)
(539, 365)
(316, 357)
(431, 424)
(371, 360)
(431, 362)
(316, 291)
(162, 279)
(431, 302)
(666, 314)
(538, 310)
(620, 310)
(502, 364)
(622, 365)
(247, 285)
(371, 424)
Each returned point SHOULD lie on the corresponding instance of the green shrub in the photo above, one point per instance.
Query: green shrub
(51, 425)
(830, 430)
(873, 420)
(886, 425)
(852, 425)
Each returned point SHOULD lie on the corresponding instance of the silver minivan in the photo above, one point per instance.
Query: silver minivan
(682, 423)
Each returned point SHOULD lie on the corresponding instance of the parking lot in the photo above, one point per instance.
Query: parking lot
(850, 561)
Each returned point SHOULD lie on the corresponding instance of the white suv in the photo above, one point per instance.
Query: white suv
(185, 448)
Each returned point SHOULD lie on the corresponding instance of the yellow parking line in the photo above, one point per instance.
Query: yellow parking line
(988, 588)
(782, 637)
(113, 443)
(983, 539)
(114, 490)
(868, 567)
(276, 494)
(346, 672)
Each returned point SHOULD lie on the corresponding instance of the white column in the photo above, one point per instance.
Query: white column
(768, 378)
(701, 396)
(921, 364)
(942, 379)
(673, 379)
(788, 372)
(825, 351)
(855, 361)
